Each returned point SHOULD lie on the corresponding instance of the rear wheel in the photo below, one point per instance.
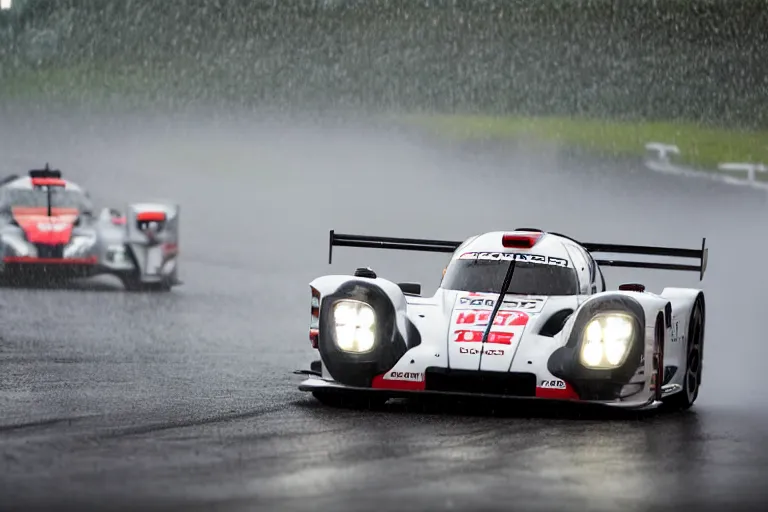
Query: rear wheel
(685, 398)
(349, 400)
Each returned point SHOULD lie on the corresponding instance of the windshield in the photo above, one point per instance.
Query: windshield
(528, 279)
(60, 198)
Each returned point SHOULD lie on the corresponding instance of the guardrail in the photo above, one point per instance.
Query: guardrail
(662, 161)
(750, 169)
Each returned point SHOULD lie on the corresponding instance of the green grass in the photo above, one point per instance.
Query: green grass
(92, 85)
(61, 82)
(700, 146)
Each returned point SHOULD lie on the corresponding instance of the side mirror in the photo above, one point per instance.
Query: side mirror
(410, 288)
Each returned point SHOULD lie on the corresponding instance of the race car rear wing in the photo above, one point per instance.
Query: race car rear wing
(387, 242)
(646, 250)
(446, 246)
(45, 173)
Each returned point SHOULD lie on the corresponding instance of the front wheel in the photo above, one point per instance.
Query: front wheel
(685, 398)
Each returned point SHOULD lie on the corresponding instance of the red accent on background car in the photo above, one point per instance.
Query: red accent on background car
(118, 221)
(379, 382)
(150, 216)
(520, 241)
(51, 261)
(567, 393)
(48, 182)
(39, 228)
(43, 211)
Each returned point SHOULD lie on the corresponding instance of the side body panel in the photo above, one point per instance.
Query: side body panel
(675, 355)
(152, 237)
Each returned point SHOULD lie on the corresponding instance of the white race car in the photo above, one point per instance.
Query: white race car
(522, 314)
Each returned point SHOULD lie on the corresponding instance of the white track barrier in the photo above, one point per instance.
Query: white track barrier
(661, 161)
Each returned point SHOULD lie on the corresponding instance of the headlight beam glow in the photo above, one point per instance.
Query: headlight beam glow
(607, 340)
(355, 326)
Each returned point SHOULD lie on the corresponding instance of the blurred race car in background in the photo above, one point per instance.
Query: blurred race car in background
(49, 233)
(523, 314)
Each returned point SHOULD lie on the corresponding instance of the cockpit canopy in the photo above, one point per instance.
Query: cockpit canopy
(486, 275)
(38, 198)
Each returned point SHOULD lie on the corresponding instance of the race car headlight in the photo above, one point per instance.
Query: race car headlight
(79, 244)
(607, 341)
(355, 323)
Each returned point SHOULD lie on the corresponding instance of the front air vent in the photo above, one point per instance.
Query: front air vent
(555, 323)
(481, 382)
(50, 251)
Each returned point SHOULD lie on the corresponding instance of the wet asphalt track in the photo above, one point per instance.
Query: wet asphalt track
(186, 401)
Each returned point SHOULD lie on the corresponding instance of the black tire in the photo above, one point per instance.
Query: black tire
(349, 400)
(685, 398)
(134, 284)
(132, 281)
